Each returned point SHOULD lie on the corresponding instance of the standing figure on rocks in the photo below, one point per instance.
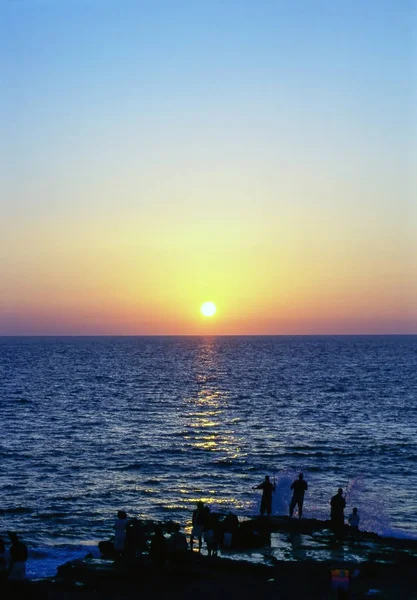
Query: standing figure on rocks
(212, 534)
(299, 486)
(337, 507)
(229, 530)
(177, 543)
(120, 531)
(18, 558)
(266, 502)
(158, 547)
(198, 523)
(3, 563)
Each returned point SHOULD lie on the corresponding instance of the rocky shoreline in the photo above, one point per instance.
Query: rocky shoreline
(387, 569)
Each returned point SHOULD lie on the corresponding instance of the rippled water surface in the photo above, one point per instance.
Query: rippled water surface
(91, 425)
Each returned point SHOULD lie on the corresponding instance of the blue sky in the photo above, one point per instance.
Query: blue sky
(288, 124)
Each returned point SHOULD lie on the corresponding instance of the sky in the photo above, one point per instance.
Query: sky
(159, 154)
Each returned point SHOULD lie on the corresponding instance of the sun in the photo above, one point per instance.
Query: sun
(208, 309)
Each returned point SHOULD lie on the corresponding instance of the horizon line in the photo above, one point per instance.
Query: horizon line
(162, 335)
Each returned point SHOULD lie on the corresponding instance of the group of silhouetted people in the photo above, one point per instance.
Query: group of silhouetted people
(205, 524)
(218, 530)
(131, 536)
(299, 487)
(129, 533)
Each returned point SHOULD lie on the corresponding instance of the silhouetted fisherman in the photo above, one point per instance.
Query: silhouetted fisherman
(266, 502)
(299, 486)
(337, 507)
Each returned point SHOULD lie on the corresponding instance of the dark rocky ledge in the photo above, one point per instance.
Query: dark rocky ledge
(217, 578)
(388, 570)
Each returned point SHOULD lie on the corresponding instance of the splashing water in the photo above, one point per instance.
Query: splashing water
(372, 508)
(282, 497)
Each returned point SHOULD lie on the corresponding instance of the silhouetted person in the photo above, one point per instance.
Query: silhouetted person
(299, 486)
(18, 558)
(230, 523)
(212, 534)
(198, 521)
(337, 507)
(135, 542)
(266, 501)
(3, 564)
(120, 531)
(158, 547)
(229, 530)
(177, 545)
(354, 519)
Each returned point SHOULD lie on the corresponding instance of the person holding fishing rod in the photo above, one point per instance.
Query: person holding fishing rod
(299, 486)
(266, 502)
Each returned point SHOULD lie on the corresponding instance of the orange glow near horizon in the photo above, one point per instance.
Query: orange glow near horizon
(134, 285)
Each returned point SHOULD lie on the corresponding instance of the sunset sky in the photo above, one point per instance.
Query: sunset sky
(159, 154)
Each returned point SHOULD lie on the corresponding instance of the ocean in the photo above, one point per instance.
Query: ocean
(150, 425)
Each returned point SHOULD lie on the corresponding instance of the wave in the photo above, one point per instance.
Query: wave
(52, 515)
(45, 560)
(336, 389)
(131, 467)
(18, 510)
(398, 534)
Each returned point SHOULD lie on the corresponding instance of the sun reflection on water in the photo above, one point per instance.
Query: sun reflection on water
(210, 428)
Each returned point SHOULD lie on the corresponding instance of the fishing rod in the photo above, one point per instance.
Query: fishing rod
(347, 489)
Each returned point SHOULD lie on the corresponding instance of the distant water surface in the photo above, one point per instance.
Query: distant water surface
(152, 424)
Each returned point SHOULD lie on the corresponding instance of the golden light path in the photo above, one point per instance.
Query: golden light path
(208, 309)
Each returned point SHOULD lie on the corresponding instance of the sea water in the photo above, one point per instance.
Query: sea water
(150, 425)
